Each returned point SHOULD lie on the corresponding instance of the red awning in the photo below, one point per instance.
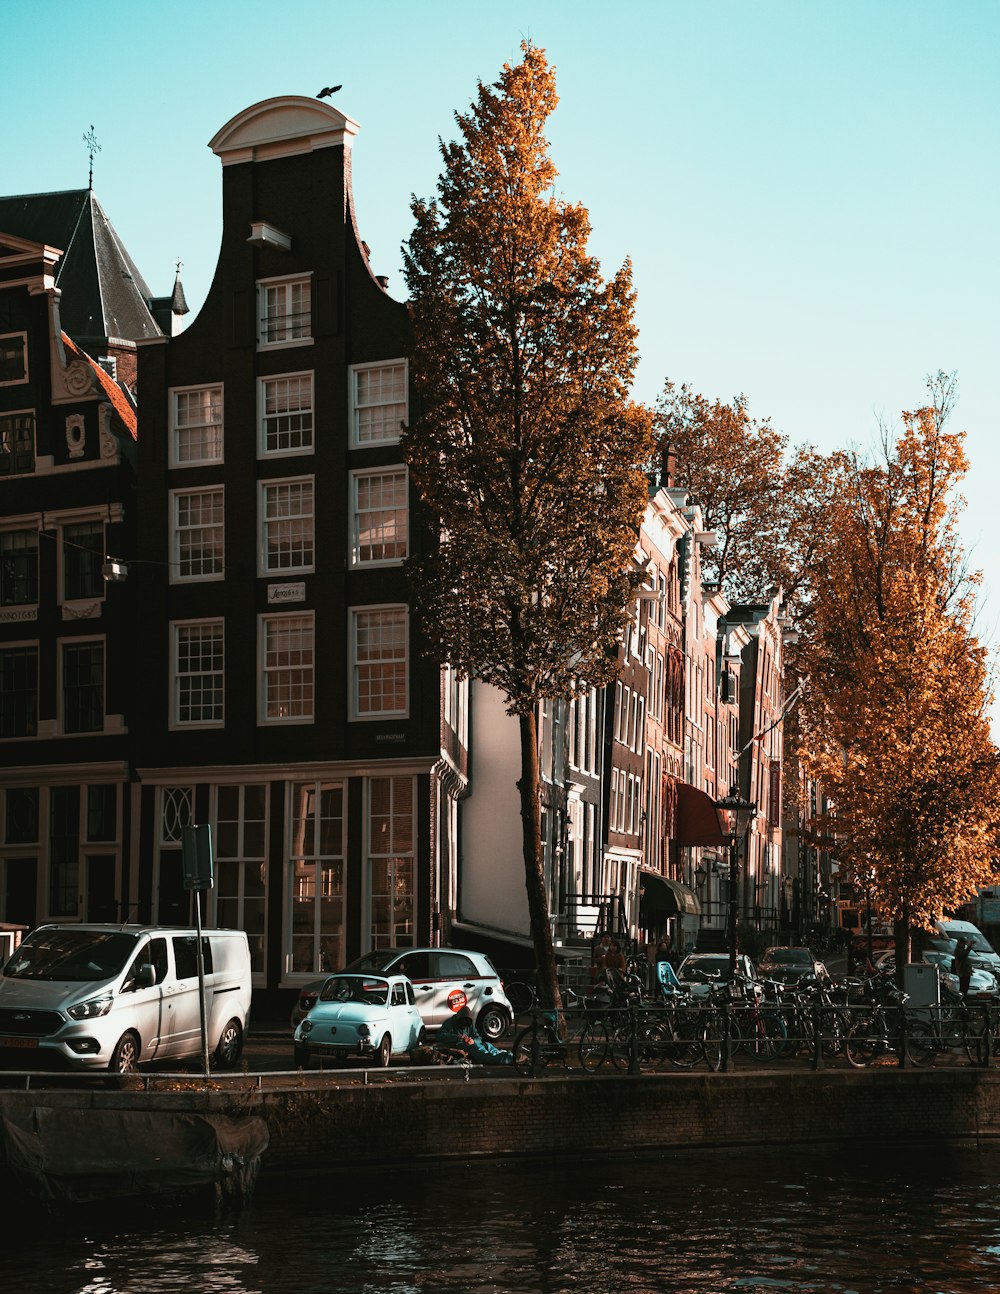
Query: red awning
(697, 823)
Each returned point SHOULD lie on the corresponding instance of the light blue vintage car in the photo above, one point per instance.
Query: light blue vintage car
(372, 1016)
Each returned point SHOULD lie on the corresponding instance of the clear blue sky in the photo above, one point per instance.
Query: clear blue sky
(808, 191)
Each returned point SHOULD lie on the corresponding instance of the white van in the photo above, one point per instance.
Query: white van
(114, 997)
(981, 951)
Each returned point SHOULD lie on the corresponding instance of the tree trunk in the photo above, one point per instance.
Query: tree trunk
(901, 934)
(534, 871)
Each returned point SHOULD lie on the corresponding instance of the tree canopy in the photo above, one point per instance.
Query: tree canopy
(896, 721)
(527, 450)
(767, 509)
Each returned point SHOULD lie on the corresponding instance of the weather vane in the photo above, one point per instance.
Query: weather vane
(90, 139)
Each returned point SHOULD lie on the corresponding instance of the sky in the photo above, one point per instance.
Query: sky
(808, 190)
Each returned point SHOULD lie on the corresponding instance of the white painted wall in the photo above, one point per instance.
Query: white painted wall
(492, 864)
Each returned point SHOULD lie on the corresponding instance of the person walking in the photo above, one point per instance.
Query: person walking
(962, 965)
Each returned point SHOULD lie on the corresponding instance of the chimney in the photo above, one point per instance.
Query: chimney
(668, 467)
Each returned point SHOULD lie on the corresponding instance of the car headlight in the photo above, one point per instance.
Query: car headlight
(363, 1031)
(306, 1026)
(88, 1010)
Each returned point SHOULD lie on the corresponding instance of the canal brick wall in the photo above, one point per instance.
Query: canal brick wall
(315, 1129)
(314, 1124)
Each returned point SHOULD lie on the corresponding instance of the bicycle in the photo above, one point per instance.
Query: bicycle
(882, 1026)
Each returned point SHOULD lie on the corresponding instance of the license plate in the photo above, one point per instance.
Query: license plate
(18, 1042)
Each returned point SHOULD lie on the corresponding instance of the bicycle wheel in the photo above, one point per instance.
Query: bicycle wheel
(657, 1046)
(711, 1042)
(532, 1051)
(593, 1047)
(766, 1036)
(619, 1042)
(835, 1026)
(520, 995)
(689, 1041)
(864, 1042)
(921, 1042)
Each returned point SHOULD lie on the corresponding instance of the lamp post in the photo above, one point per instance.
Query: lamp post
(735, 815)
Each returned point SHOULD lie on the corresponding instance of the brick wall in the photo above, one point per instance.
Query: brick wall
(312, 1129)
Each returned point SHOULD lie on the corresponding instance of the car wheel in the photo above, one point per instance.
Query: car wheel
(125, 1057)
(230, 1047)
(492, 1023)
(384, 1052)
(302, 1057)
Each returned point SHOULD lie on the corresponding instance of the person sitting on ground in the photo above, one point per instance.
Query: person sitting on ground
(458, 1035)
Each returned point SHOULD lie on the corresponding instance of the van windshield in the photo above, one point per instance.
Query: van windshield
(72, 955)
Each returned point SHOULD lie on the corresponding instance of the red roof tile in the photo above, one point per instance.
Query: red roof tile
(110, 387)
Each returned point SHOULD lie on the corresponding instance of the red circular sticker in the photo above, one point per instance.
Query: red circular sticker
(456, 999)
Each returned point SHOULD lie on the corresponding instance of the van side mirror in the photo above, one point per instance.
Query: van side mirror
(145, 976)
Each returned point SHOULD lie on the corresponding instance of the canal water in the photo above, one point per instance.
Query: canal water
(823, 1221)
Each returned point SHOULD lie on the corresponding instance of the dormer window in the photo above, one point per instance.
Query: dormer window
(284, 311)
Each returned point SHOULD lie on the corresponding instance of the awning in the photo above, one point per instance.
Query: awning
(661, 894)
(697, 823)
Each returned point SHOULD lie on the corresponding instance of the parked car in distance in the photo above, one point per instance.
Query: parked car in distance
(981, 952)
(790, 965)
(699, 971)
(982, 985)
(444, 980)
(371, 1016)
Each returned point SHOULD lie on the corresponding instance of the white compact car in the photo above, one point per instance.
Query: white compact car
(371, 1016)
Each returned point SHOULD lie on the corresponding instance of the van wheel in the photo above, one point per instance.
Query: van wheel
(230, 1047)
(384, 1052)
(125, 1057)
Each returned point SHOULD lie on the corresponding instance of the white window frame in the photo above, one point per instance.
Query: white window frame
(313, 869)
(267, 490)
(286, 282)
(384, 850)
(263, 383)
(80, 641)
(17, 381)
(244, 860)
(207, 388)
(176, 576)
(369, 613)
(399, 473)
(359, 440)
(306, 672)
(95, 519)
(176, 628)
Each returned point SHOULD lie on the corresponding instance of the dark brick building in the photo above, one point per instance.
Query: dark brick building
(284, 698)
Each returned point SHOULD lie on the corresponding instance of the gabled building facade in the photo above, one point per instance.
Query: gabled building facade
(286, 700)
(67, 495)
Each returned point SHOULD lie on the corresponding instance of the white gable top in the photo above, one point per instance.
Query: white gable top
(282, 127)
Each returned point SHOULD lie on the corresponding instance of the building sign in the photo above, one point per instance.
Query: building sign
(15, 615)
(286, 592)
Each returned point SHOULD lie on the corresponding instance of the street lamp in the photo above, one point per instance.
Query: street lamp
(735, 815)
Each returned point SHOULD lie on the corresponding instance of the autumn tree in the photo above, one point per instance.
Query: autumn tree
(768, 508)
(896, 722)
(527, 449)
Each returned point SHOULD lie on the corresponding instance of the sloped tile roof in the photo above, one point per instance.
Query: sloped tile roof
(103, 294)
(109, 386)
